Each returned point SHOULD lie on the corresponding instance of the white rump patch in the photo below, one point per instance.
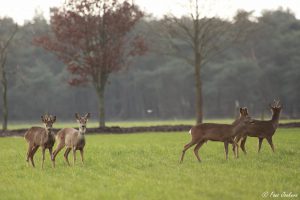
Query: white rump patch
(190, 132)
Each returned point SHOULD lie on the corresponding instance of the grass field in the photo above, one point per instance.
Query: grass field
(145, 166)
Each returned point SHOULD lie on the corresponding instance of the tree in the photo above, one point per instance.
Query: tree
(207, 37)
(93, 39)
(5, 40)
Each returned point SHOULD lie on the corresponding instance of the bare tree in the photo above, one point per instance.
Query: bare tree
(4, 44)
(206, 37)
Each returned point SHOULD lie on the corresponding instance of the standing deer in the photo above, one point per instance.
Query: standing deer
(72, 138)
(201, 133)
(262, 129)
(40, 137)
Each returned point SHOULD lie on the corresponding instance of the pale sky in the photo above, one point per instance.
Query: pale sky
(21, 10)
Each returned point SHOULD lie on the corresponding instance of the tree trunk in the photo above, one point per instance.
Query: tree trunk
(4, 99)
(199, 98)
(100, 89)
(101, 105)
(3, 56)
(262, 115)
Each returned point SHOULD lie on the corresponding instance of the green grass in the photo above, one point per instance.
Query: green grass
(145, 166)
(93, 124)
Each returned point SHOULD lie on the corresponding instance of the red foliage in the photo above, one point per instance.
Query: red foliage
(92, 37)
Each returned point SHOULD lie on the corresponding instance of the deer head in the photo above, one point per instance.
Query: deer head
(244, 112)
(244, 116)
(82, 121)
(276, 107)
(48, 121)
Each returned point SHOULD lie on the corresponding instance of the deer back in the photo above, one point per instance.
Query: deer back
(211, 131)
(70, 137)
(38, 136)
(261, 128)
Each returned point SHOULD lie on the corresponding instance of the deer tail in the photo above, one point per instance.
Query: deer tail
(26, 135)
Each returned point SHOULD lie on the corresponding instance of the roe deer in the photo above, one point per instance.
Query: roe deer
(72, 138)
(262, 129)
(201, 133)
(40, 137)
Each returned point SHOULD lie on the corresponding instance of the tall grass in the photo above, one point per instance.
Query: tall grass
(145, 166)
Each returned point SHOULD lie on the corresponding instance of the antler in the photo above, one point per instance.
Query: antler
(276, 104)
(48, 117)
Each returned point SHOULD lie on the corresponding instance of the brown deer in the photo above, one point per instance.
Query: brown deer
(72, 138)
(262, 129)
(40, 137)
(201, 133)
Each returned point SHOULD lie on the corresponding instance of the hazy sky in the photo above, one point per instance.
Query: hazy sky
(22, 10)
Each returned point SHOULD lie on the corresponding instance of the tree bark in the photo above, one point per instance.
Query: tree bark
(101, 105)
(198, 62)
(100, 89)
(262, 115)
(3, 56)
(4, 99)
(198, 84)
(101, 109)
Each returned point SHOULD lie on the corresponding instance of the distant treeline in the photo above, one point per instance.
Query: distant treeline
(254, 71)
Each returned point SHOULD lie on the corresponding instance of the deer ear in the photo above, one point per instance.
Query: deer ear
(77, 116)
(42, 117)
(278, 104)
(54, 119)
(87, 115)
(241, 110)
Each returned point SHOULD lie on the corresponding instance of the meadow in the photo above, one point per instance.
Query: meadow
(145, 166)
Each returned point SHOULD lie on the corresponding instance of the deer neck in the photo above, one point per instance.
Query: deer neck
(237, 125)
(81, 131)
(48, 132)
(236, 122)
(275, 117)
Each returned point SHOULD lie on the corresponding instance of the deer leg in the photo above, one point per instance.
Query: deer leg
(66, 155)
(238, 138)
(74, 155)
(33, 151)
(243, 145)
(236, 149)
(271, 144)
(233, 148)
(196, 149)
(43, 156)
(260, 140)
(186, 147)
(59, 147)
(30, 146)
(81, 154)
(50, 152)
(226, 150)
(236, 141)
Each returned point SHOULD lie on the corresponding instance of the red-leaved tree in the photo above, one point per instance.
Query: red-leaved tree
(94, 39)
